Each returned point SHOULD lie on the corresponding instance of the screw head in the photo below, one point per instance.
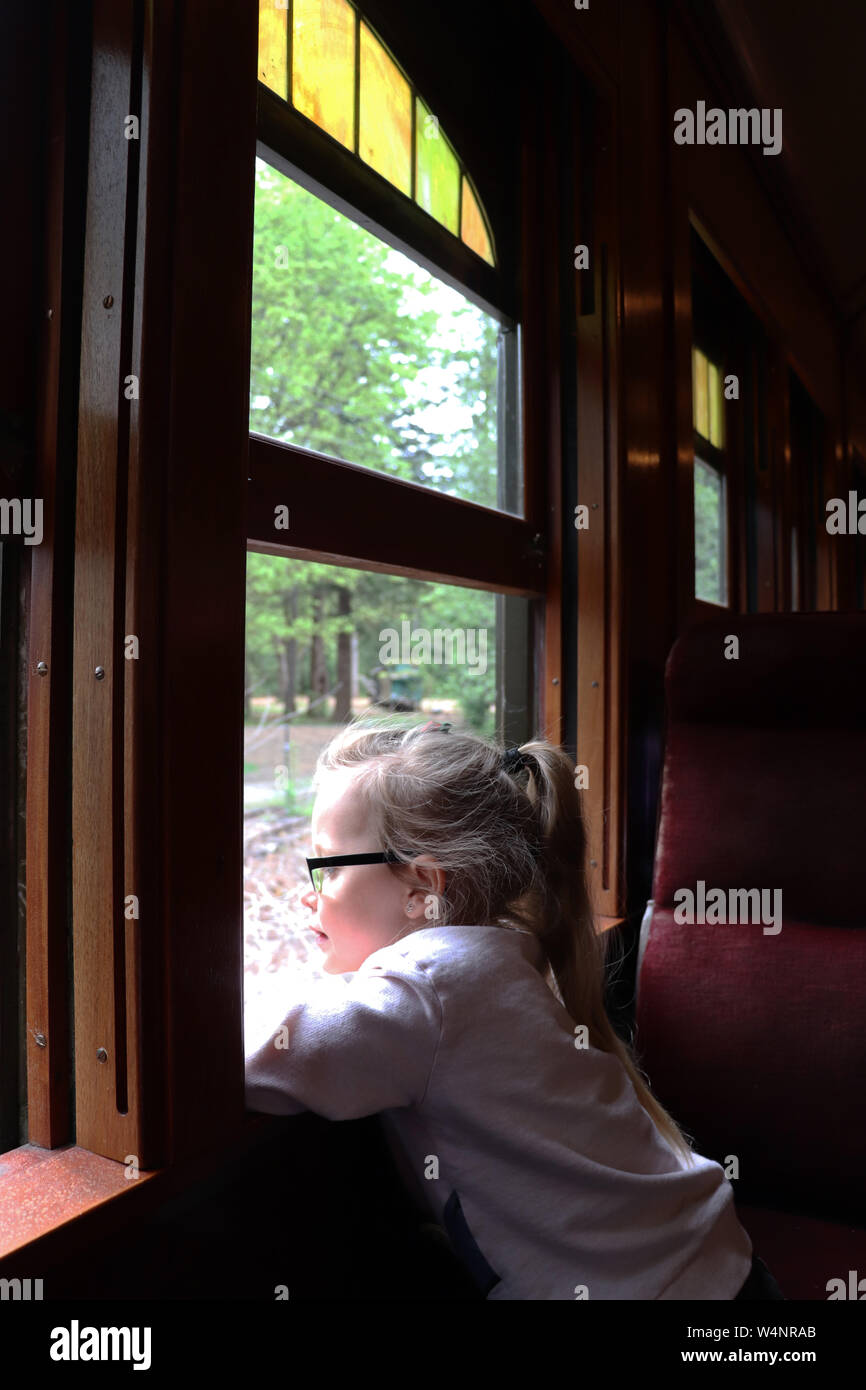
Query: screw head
(40, 1040)
(593, 863)
(555, 680)
(101, 1055)
(595, 685)
(42, 668)
(99, 673)
(108, 301)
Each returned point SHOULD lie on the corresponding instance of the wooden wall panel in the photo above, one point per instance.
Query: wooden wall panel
(600, 708)
(651, 543)
(191, 434)
(103, 1056)
(743, 230)
(47, 1014)
(159, 585)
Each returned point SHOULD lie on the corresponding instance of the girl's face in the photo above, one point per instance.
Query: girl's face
(361, 907)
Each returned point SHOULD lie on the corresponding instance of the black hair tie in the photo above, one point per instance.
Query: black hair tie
(513, 760)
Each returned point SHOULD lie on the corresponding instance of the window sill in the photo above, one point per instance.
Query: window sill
(53, 1198)
(43, 1189)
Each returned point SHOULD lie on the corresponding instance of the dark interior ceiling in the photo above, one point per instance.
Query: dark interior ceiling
(808, 58)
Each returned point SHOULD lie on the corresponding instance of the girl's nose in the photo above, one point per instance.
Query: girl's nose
(310, 900)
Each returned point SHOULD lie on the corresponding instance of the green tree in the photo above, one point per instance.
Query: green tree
(350, 357)
(360, 354)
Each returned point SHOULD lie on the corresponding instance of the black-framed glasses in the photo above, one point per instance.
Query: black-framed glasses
(316, 866)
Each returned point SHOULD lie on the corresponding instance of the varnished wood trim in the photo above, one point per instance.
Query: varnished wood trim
(103, 1056)
(600, 728)
(351, 515)
(47, 1014)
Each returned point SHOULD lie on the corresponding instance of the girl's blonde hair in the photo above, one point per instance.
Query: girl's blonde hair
(513, 849)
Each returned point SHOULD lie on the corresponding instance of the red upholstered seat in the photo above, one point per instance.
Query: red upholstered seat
(756, 1040)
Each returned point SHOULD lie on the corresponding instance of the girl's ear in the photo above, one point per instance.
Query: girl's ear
(428, 874)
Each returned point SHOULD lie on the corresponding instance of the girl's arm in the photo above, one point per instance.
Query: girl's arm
(349, 1051)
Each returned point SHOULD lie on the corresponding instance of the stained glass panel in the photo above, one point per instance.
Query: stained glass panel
(385, 141)
(273, 48)
(715, 396)
(437, 173)
(700, 393)
(321, 85)
(323, 65)
(473, 230)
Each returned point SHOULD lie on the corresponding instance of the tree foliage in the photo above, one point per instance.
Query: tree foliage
(359, 354)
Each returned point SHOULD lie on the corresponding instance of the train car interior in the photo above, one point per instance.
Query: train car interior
(497, 368)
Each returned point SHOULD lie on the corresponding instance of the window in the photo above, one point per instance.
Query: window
(323, 644)
(711, 571)
(387, 496)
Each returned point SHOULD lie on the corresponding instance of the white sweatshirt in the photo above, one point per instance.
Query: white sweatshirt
(534, 1154)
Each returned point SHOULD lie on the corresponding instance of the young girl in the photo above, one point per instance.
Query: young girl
(474, 1020)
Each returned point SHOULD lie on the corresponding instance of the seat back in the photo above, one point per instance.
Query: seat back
(753, 1034)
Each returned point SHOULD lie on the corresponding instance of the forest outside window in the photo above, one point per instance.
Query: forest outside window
(360, 354)
(325, 644)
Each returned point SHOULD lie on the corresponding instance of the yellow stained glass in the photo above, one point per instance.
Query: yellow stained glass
(323, 65)
(437, 173)
(700, 402)
(473, 231)
(715, 396)
(273, 48)
(385, 136)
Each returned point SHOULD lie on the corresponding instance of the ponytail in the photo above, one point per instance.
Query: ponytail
(559, 912)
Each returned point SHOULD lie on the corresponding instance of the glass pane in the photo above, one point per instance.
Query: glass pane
(711, 580)
(273, 48)
(473, 230)
(385, 140)
(359, 353)
(714, 391)
(323, 65)
(700, 393)
(324, 644)
(437, 173)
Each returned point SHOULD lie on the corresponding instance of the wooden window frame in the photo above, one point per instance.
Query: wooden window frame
(168, 499)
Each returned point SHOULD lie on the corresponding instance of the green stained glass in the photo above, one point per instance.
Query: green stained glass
(273, 48)
(473, 230)
(323, 65)
(437, 173)
(700, 393)
(385, 136)
(715, 397)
